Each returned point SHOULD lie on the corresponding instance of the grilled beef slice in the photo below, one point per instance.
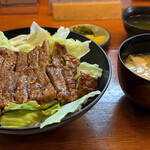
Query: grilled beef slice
(33, 86)
(1, 61)
(86, 84)
(47, 89)
(33, 58)
(71, 83)
(6, 88)
(39, 86)
(71, 61)
(44, 55)
(20, 87)
(58, 81)
(10, 58)
(56, 55)
(21, 64)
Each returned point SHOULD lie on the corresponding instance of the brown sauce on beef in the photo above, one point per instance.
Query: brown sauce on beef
(38, 76)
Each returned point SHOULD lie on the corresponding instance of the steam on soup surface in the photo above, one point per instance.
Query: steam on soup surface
(139, 64)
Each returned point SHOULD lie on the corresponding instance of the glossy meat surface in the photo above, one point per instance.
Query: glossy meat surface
(21, 63)
(38, 75)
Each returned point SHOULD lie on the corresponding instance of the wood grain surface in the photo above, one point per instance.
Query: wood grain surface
(114, 123)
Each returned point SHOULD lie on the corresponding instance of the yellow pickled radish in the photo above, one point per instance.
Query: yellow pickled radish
(99, 39)
(90, 36)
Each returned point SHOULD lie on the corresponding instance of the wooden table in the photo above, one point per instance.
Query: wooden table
(114, 123)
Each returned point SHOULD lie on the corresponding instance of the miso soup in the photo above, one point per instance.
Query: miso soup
(139, 64)
(141, 21)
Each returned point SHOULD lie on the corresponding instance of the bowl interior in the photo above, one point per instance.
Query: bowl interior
(96, 55)
(138, 18)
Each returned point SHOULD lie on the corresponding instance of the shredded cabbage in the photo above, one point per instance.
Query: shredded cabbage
(68, 108)
(28, 114)
(4, 42)
(75, 47)
(91, 69)
(28, 42)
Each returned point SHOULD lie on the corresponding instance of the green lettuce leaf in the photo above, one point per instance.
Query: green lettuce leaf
(4, 42)
(61, 33)
(47, 105)
(28, 42)
(79, 49)
(22, 118)
(75, 47)
(68, 108)
(91, 69)
(38, 34)
(31, 105)
(28, 114)
(51, 110)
